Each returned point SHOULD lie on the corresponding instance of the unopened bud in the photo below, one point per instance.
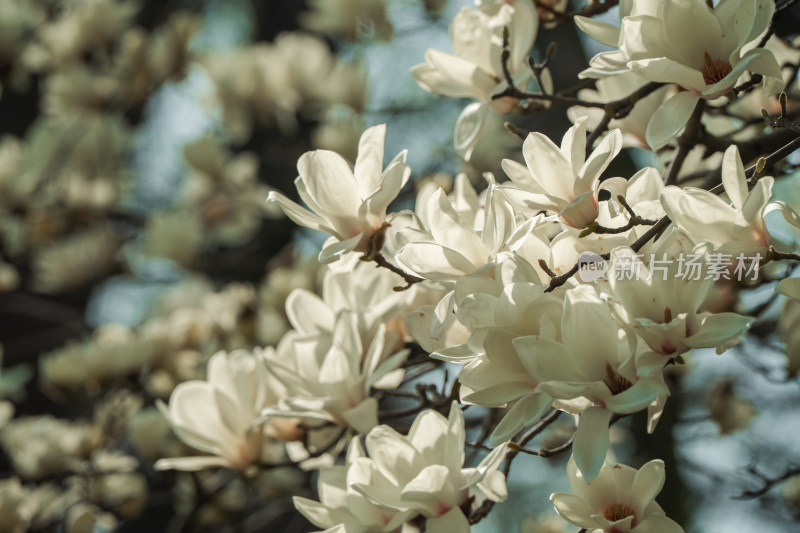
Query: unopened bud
(760, 164)
(765, 115)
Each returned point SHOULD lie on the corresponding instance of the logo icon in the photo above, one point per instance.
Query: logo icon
(591, 267)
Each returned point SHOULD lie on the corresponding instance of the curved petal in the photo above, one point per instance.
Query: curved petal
(669, 118)
(591, 442)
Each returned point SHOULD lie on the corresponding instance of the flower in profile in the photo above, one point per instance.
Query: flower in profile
(350, 205)
(474, 69)
(217, 416)
(701, 48)
(737, 227)
(621, 499)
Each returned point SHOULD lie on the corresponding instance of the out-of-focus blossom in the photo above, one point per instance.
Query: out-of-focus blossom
(620, 499)
(348, 204)
(42, 446)
(76, 260)
(728, 410)
(351, 20)
(224, 189)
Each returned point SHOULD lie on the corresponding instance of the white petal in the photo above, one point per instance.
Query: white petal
(453, 521)
(670, 118)
(591, 441)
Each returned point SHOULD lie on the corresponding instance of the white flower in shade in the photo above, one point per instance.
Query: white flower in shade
(620, 499)
(475, 70)
(349, 19)
(344, 509)
(591, 371)
(562, 179)
(660, 302)
(217, 416)
(735, 228)
(367, 291)
(703, 49)
(348, 204)
(634, 125)
(329, 377)
(497, 305)
(423, 472)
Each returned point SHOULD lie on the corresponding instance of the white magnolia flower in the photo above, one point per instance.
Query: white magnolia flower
(367, 291)
(497, 305)
(703, 49)
(591, 371)
(423, 472)
(349, 19)
(660, 302)
(329, 377)
(348, 204)
(217, 416)
(620, 499)
(562, 180)
(474, 70)
(449, 245)
(344, 509)
(734, 229)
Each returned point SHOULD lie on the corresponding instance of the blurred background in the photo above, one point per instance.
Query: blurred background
(138, 143)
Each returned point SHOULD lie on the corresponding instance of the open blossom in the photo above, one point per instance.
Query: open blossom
(329, 377)
(562, 179)
(348, 204)
(592, 372)
(735, 228)
(661, 301)
(343, 506)
(702, 49)
(621, 499)
(423, 472)
(217, 416)
(474, 69)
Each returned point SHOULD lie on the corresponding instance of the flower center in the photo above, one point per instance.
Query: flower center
(714, 69)
(618, 511)
(616, 383)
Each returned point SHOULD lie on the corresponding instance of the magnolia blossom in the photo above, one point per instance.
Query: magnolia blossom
(660, 302)
(447, 245)
(343, 508)
(475, 70)
(218, 416)
(562, 179)
(329, 377)
(423, 472)
(348, 204)
(735, 229)
(701, 48)
(591, 371)
(621, 499)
